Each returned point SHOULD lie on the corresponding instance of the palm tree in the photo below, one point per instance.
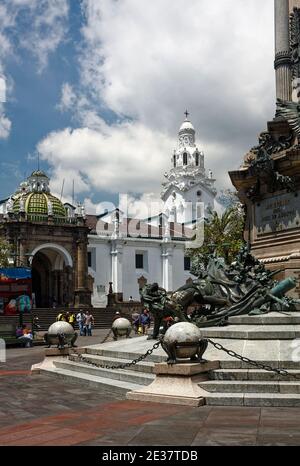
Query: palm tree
(223, 236)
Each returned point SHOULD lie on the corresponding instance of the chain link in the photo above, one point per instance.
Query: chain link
(121, 366)
(218, 346)
(106, 338)
(259, 365)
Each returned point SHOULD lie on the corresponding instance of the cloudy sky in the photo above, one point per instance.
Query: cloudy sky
(98, 88)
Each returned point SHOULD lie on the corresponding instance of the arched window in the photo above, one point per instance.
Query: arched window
(185, 157)
(174, 160)
(197, 159)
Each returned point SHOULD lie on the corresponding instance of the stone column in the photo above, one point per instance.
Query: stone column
(167, 269)
(21, 259)
(282, 50)
(81, 264)
(82, 294)
(116, 267)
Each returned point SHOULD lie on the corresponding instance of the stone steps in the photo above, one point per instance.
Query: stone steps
(273, 318)
(253, 332)
(117, 387)
(253, 399)
(143, 366)
(124, 375)
(123, 355)
(242, 386)
(103, 317)
(251, 375)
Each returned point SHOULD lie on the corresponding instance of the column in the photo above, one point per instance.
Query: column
(116, 267)
(167, 269)
(82, 294)
(282, 50)
(81, 264)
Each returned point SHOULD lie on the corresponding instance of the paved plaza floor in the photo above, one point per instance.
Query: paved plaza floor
(41, 410)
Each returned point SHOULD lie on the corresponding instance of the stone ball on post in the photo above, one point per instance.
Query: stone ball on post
(121, 327)
(60, 333)
(182, 341)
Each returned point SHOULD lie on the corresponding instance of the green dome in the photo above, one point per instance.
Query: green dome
(39, 204)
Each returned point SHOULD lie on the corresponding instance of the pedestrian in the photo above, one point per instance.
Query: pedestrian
(135, 320)
(144, 321)
(89, 322)
(131, 298)
(35, 325)
(80, 319)
(72, 319)
(61, 317)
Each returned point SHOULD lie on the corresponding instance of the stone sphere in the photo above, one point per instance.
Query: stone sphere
(121, 325)
(60, 327)
(185, 333)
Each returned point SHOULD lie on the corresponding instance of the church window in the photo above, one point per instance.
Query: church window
(139, 261)
(197, 159)
(185, 157)
(89, 259)
(174, 160)
(187, 263)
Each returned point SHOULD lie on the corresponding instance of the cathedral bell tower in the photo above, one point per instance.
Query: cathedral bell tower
(187, 183)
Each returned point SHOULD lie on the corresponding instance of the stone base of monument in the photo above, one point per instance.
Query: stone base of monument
(53, 355)
(176, 384)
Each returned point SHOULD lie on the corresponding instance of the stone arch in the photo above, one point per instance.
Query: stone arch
(57, 248)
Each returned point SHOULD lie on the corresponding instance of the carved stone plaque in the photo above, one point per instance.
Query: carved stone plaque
(278, 213)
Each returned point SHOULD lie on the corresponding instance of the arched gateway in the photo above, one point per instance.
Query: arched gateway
(51, 240)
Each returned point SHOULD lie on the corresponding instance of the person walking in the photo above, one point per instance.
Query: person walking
(89, 322)
(80, 319)
(61, 317)
(72, 319)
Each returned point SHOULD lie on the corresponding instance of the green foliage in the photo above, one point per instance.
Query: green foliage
(223, 236)
(5, 252)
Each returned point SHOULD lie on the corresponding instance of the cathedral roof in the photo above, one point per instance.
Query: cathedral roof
(34, 198)
(39, 204)
(186, 125)
(39, 173)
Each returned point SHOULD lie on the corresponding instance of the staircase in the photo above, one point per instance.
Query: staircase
(269, 339)
(103, 317)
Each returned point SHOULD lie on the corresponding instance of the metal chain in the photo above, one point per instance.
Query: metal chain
(106, 338)
(218, 346)
(259, 365)
(121, 366)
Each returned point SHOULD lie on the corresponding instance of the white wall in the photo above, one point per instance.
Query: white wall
(153, 269)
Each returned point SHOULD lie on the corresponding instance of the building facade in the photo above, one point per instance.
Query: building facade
(129, 260)
(49, 240)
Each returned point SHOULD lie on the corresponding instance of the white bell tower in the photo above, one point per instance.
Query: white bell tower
(187, 183)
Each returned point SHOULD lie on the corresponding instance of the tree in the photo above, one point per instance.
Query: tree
(223, 236)
(5, 252)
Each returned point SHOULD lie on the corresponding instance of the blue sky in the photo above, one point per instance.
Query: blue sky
(99, 87)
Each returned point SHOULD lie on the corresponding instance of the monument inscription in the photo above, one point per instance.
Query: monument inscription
(278, 213)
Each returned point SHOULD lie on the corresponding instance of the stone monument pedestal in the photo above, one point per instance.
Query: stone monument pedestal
(54, 354)
(176, 384)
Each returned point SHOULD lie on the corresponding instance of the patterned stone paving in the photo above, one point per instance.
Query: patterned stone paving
(40, 410)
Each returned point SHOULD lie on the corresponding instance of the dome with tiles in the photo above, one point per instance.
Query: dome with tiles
(34, 198)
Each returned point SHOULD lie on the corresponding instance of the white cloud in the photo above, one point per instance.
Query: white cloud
(68, 98)
(43, 27)
(114, 158)
(5, 124)
(147, 62)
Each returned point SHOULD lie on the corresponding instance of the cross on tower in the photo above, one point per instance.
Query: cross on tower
(186, 114)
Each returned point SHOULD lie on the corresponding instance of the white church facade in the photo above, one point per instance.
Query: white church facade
(157, 250)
